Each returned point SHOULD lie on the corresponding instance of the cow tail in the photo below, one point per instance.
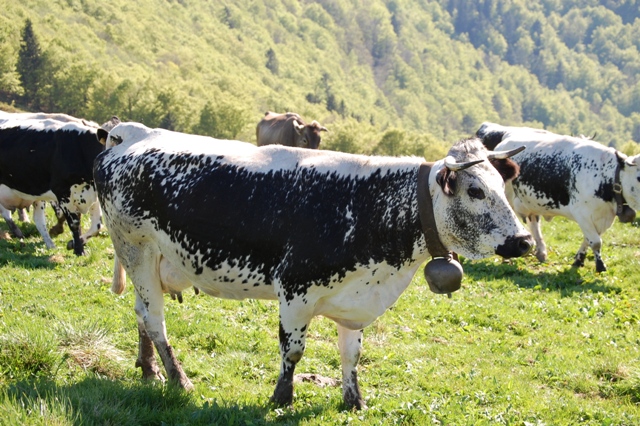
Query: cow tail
(119, 277)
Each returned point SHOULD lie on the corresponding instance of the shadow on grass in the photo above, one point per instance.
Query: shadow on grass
(567, 280)
(28, 254)
(97, 401)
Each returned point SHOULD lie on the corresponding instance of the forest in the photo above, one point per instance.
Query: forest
(385, 76)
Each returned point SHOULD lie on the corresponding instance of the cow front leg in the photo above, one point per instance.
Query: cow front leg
(536, 232)
(73, 220)
(292, 336)
(58, 228)
(350, 345)
(40, 221)
(596, 246)
(96, 222)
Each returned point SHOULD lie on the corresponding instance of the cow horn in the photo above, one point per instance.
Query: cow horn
(456, 167)
(501, 155)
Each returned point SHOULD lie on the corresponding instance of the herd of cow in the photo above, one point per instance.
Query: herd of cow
(322, 232)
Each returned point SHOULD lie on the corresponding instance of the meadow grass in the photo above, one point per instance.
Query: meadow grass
(521, 343)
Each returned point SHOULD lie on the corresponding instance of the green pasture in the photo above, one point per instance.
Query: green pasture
(520, 344)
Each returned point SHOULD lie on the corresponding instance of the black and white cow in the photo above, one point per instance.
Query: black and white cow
(573, 177)
(49, 157)
(324, 233)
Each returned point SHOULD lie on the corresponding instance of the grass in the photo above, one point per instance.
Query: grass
(521, 343)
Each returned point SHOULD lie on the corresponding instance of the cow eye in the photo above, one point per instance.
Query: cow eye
(476, 193)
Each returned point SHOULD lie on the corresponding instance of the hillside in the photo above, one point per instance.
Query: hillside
(394, 76)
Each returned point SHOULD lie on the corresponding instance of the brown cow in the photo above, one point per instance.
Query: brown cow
(288, 129)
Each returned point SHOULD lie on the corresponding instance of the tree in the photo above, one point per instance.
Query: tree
(30, 62)
(222, 120)
(272, 61)
(9, 79)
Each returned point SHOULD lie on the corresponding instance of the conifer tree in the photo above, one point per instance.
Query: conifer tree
(29, 64)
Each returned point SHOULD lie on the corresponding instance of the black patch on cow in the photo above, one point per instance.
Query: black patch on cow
(491, 139)
(36, 161)
(550, 177)
(301, 226)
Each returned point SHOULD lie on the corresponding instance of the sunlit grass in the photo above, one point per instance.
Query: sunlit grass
(520, 343)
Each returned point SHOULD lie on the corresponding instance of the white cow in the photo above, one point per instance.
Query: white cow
(324, 233)
(573, 177)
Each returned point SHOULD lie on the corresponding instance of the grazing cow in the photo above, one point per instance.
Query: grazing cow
(324, 233)
(289, 130)
(49, 157)
(568, 176)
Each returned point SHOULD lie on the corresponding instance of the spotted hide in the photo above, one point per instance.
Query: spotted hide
(49, 157)
(568, 176)
(323, 233)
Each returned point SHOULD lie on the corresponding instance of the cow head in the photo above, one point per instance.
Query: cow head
(308, 135)
(472, 213)
(104, 130)
(630, 181)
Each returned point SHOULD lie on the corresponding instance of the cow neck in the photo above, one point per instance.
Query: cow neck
(427, 217)
(617, 186)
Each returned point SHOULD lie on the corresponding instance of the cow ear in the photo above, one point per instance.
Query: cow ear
(507, 168)
(447, 181)
(102, 136)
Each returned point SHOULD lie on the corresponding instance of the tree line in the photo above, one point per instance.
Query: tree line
(385, 76)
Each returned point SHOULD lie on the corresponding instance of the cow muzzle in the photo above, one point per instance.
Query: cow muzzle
(515, 246)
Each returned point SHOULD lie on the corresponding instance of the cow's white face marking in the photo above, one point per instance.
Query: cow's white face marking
(630, 179)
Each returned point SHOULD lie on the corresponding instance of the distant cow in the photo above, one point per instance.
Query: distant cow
(568, 176)
(49, 157)
(324, 233)
(289, 130)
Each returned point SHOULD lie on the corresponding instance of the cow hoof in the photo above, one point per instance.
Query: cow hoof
(357, 403)
(56, 230)
(600, 267)
(577, 264)
(541, 256)
(283, 395)
(70, 245)
(186, 384)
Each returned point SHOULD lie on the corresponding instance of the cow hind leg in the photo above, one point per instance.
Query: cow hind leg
(41, 223)
(146, 355)
(534, 226)
(350, 345)
(293, 330)
(142, 266)
(13, 228)
(23, 216)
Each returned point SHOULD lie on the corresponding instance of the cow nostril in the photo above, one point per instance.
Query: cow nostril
(525, 246)
(515, 247)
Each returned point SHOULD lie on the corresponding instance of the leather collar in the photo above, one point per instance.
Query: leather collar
(427, 219)
(623, 211)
